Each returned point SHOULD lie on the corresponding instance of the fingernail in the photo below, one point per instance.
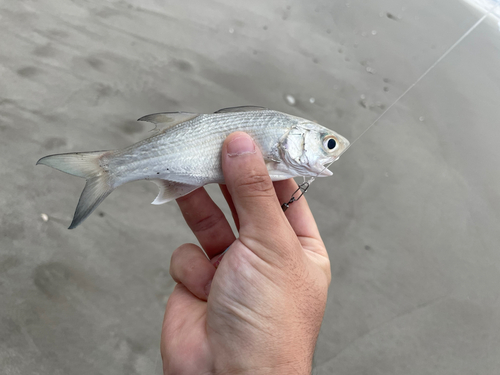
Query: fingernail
(207, 287)
(241, 145)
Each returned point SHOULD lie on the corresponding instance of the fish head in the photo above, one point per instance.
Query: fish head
(308, 148)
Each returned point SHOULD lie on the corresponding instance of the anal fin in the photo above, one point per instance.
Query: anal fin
(170, 190)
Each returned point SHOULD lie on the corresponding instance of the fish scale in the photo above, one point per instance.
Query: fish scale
(186, 153)
(203, 137)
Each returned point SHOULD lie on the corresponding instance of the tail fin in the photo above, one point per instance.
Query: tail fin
(87, 165)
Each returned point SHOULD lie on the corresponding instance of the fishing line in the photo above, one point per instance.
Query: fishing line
(425, 73)
(305, 185)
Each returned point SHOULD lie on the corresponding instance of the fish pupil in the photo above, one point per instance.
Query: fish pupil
(331, 144)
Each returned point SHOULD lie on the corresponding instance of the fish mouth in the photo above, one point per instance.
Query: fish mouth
(325, 173)
(323, 170)
(323, 165)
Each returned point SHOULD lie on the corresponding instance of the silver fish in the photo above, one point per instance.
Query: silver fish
(186, 153)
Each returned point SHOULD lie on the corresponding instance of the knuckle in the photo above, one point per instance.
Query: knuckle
(255, 185)
(177, 252)
(174, 257)
(207, 222)
(177, 263)
(186, 270)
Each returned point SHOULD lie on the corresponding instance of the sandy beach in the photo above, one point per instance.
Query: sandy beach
(410, 217)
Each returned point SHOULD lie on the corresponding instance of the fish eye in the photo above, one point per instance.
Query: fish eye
(330, 143)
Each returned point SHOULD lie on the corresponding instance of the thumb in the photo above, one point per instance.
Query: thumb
(252, 190)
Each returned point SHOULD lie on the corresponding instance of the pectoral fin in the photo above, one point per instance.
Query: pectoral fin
(170, 190)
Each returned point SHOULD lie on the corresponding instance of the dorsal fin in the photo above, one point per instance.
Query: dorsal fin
(169, 119)
(245, 108)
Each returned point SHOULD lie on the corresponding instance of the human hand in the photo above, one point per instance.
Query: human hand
(260, 311)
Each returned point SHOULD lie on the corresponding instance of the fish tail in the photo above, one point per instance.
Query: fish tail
(89, 165)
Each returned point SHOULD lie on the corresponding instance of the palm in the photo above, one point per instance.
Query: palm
(184, 329)
(197, 329)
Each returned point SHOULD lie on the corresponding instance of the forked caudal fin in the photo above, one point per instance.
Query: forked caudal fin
(87, 165)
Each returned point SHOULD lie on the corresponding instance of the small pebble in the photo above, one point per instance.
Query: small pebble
(44, 217)
(374, 32)
(421, 119)
(290, 99)
(231, 30)
(312, 100)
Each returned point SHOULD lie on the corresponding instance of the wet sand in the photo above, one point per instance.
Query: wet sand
(410, 217)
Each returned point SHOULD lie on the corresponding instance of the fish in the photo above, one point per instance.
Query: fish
(185, 153)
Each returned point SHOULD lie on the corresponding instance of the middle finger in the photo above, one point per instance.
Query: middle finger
(207, 222)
